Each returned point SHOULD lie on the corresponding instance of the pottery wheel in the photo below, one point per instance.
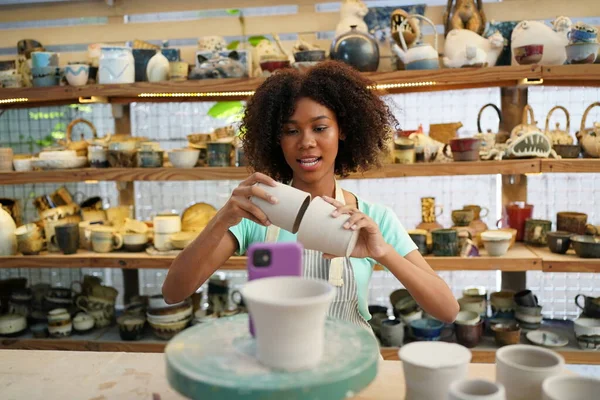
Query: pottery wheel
(216, 360)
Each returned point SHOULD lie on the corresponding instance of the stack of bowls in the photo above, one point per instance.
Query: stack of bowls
(168, 320)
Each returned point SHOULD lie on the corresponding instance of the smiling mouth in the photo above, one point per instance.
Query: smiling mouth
(309, 162)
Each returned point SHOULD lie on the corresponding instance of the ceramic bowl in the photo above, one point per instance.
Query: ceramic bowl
(465, 149)
(467, 318)
(180, 240)
(570, 387)
(507, 334)
(12, 325)
(83, 322)
(586, 246)
(167, 331)
(150, 159)
(559, 242)
(77, 74)
(22, 164)
(273, 65)
(157, 302)
(184, 158)
(496, 243)
(309, 55)
(582, 53)
(131, 327)
(426, 329)
(529, 54)
(567, 150)
(587, 327)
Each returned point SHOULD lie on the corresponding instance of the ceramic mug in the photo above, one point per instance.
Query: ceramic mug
(29, 239)
(526, 298)
(523, 368)
(105, 241)
(477, 211)
(66, 238)
(469, 335)
(591, 305)
(392, 333)
(419, 237)
(291, 205)
(517, 213)
(42, 59)
(536, 230)
(320, 231)
(77, 74)
(445, 242)
(476, 389)
(462, 217)
(507, 334)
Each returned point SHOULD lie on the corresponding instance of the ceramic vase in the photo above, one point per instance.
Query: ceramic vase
(289, 320)
(320, 231)
(116, 65)
(8, 239)
(158, 68)
(523, 368)
(290, 208)
(356, 48)
(427, 362)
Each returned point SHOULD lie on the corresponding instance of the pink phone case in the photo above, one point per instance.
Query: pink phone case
(284, 259)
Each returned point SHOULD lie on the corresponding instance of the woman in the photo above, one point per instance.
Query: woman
(305, 128)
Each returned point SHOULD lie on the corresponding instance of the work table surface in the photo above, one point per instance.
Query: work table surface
(37, 374)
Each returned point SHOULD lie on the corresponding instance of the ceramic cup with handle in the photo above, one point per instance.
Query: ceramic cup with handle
(431, 367)
(322, 232)
(290, 208)
(297, 307)
(105, 240)
(523, 368)
(476, 389)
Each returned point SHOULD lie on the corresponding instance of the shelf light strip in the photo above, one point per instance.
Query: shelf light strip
(206, 94)
(251, 92)
(14, 100)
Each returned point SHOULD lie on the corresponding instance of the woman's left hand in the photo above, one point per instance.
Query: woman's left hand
(370, 240)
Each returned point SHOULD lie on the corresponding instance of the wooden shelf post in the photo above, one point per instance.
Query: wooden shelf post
(514, 187)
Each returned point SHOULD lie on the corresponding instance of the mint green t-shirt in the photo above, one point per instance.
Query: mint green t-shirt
(248, 232)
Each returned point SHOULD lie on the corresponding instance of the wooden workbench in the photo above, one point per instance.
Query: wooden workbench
(60, 375)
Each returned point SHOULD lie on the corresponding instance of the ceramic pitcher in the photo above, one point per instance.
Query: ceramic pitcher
(429, 212)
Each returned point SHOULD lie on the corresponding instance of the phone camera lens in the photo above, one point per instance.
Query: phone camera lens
(262, 258)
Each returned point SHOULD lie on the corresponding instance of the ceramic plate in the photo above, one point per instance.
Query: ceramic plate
(547, 339)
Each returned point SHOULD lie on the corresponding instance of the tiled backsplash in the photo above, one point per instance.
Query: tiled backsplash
(169, 123)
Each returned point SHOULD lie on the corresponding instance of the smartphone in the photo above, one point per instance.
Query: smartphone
(273, 259)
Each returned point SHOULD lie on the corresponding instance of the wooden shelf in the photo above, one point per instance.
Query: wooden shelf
(88, 259)
(569, 262)
(107, 339)
(575, 165)
(209, 89)
(571, 75)
(519, 258)
(234, 173)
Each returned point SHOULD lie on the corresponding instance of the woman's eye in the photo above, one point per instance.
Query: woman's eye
(320, 128)
(291, 131)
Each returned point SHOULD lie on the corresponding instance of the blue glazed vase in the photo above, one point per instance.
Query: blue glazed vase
(358, 49)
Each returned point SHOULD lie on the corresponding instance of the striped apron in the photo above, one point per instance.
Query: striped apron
(345, 303)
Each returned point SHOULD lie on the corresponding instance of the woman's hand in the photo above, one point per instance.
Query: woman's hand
(239, 205)
(370, 240)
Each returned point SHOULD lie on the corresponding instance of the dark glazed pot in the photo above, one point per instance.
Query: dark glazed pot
(358, 49)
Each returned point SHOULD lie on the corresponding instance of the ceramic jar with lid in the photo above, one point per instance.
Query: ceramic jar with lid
(404, 151)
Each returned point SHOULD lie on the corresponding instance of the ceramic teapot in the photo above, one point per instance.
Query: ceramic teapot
(558, 136)
(81, 146)
(488, 138)
(420, 56)
(590, 138)
(8, 239)
(356, 48)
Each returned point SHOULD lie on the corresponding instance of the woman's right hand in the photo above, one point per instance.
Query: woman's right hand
(240, 206)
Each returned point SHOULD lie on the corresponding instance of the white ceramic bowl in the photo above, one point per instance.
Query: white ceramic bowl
(571, 387)
(467, 318)
(83, 321)
(496, 248)
(587, 326)
(184, 158)
(22, 164)
(77, 75)
(12, 323)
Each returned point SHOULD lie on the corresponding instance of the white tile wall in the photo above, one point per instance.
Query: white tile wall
(170, 122)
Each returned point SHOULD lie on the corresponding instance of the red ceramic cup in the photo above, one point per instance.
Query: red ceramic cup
(517, 213)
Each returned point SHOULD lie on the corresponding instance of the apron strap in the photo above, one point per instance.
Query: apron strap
(336, 266)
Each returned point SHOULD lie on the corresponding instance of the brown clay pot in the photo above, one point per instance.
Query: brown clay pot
(573, 222)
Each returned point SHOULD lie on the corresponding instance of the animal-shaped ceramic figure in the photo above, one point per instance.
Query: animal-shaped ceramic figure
(263, 51)
(553, 39)
(466, 14)
(411, 30)
(466, 48)
(352, 13)
(434, 151)
(219, 67)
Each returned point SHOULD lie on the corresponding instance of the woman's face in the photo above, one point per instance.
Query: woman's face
(310, 141)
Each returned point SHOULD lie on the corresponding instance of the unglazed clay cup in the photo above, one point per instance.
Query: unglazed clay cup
(523, 368)
(289, 315)
(322, 232)
(570, 387)
(290, 208)
(426, 363)
(476, 389)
